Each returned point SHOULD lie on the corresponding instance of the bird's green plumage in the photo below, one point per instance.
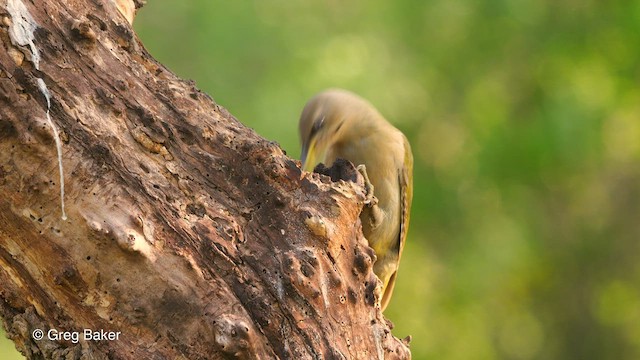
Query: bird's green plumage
(339, 124)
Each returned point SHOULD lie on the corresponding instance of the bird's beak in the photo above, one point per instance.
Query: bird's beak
(309, 157)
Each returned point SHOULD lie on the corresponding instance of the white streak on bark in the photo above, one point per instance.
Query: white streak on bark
(56, 137)
(22, 33)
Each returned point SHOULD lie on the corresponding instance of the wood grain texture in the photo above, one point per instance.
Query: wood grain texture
(186, 231)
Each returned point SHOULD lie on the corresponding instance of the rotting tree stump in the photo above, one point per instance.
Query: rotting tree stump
(185, 234)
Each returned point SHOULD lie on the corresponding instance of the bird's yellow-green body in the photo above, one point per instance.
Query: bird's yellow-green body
(339, 124)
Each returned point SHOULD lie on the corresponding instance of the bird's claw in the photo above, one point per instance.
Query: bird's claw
(370, 199)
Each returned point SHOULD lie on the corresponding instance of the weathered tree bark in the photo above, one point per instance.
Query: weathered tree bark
(185, 231)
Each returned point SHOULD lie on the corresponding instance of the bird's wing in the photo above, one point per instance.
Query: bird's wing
(406, 194)
(405, 180)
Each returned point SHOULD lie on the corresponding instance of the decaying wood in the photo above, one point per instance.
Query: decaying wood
(185, 231)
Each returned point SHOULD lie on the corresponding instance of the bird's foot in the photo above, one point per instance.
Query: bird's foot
(370, 199)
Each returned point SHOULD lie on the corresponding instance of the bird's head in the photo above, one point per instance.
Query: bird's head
(328, 119)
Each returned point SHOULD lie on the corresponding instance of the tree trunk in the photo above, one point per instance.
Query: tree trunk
(178, 233)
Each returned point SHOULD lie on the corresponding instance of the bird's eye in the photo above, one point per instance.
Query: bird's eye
(317, 125)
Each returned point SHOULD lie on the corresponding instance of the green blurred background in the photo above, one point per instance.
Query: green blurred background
(524, 118)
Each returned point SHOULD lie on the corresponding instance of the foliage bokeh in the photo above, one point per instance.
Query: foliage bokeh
(524, 117)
